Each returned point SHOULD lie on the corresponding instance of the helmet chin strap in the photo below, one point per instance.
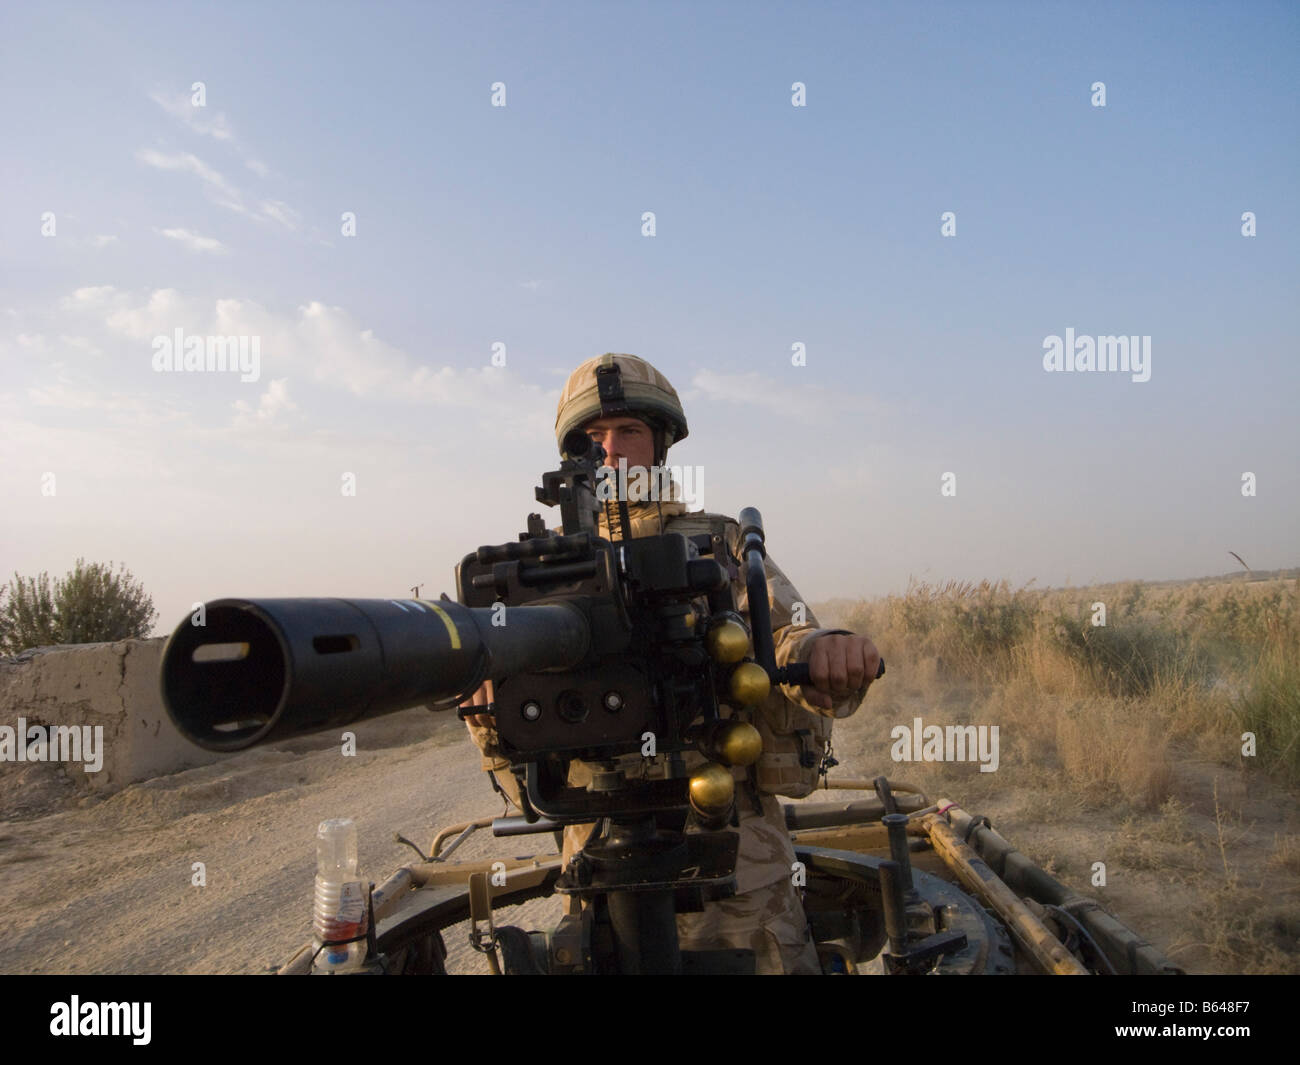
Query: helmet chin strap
(661, 451)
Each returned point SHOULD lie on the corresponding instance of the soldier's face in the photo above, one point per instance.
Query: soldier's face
(626, 438)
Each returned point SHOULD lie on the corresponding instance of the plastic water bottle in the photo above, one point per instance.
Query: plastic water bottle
(341, 910)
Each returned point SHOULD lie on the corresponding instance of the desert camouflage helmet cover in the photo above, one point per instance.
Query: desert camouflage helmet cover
(637, 389)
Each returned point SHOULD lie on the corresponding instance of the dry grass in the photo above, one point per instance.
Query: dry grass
(1117, 736)
(1247, 930)
(1197, 665)
(1164, 843)
(1286, 855)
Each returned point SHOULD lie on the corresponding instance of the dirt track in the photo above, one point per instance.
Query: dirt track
(104, 886)
(94, 885)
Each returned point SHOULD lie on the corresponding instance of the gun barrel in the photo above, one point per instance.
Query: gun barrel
(258, 670)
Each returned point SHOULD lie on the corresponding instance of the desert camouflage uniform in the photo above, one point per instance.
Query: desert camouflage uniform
(765, 915)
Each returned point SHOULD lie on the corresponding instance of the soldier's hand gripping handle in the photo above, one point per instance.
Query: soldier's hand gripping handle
(484, 718)
(838, 664)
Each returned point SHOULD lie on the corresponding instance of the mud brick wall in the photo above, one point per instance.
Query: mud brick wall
(113, 685)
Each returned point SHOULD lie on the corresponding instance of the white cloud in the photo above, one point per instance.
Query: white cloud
(274, 401)
(224, 193)
(280, 212)
(193, 241)
(199, 119)
(214, 124)
(531, 285)
(102, 240)
(337, 393)
(321, 345)
(90, 297)
(162, 314)
(186, 161)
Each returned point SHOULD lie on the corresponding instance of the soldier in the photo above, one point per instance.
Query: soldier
(631, 410)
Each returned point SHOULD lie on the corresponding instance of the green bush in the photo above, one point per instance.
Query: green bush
(1129, 657)
(92, 604)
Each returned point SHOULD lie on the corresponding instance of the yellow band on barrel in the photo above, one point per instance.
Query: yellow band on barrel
(451, 625)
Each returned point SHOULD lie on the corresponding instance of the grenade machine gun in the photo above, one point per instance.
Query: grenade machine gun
(595, 648)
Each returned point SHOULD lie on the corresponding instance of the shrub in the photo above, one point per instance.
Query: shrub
(92, 604)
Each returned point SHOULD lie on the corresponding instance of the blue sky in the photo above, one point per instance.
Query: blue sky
(775, 225)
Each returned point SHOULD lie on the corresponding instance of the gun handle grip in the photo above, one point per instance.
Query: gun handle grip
(798, 673)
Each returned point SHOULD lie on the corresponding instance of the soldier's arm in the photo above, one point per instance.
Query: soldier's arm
(796, 635)
(482, 731)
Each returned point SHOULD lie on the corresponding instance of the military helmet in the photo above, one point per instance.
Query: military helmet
(610, 385)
